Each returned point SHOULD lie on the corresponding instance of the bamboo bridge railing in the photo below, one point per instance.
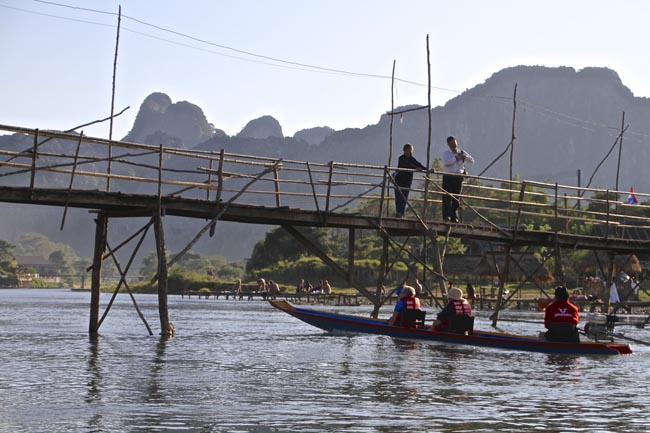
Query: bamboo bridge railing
(74, 162)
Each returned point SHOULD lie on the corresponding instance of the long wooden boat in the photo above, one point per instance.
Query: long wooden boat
(342, 323)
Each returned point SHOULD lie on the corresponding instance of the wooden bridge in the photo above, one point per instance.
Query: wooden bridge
(121, 179)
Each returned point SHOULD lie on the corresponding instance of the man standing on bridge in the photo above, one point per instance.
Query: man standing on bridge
(454, 161)
(404, 178)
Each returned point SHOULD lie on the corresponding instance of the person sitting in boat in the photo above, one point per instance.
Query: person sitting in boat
(561, 318)
(457, 306)
(419, 290)
(273, 289)
(406, 300)
(326, 287)
(301, 287)
(261, 288)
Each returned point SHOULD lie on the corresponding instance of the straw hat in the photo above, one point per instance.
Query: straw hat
(455, 293)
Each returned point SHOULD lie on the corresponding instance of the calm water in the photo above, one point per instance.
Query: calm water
(240, 366)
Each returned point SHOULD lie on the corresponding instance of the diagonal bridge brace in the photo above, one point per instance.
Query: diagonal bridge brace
(314, 249)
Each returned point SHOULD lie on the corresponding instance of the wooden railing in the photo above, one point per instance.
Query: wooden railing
(58, 160)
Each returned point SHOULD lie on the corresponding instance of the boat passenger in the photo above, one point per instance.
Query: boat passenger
(262, 288)
(418, 287)
(456, 306)
(301, 287)
(561, 318)
(405, 301)
(236, 289)
(273, 289)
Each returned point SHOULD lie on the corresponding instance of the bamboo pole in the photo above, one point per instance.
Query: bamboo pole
(110, 131)
(276, 184)
(313, 188)
(123, 281)
(101, 230)
(381, 276)
(512, 141)
(392, 107)
(610, 281)
(556, 227)
(207, 191)
(426, 179)
(503, 277)
(160, 166)
(32, 178)
(165, 325)
(620, 151)
(522, 193)
(317, 251)
(351, 241)
(380, 216)
(329, 187)
(620, 148)
(214, 220)
(220, 175)
(74, 168)
(129, 239)
(68, 131)
(126, 286)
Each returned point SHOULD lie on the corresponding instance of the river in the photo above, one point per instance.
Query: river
(242, 366)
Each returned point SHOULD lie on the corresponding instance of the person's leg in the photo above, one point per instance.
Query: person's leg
(401, 196)
(405, 192)
(400, 203)
(446, 200)
(455, 203)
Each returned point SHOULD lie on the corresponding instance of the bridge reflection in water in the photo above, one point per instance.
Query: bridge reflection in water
(64, 169)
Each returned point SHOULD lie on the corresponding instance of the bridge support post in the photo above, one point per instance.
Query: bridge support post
(503, 277)
(610, 281)
(166, 328)
(101, 230)
(351, 240)
(381, 277)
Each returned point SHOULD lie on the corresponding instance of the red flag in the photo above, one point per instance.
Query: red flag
(631, 199)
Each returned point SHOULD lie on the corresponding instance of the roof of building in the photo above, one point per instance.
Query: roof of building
(33, 260)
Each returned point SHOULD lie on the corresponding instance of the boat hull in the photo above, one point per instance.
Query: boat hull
(334, 322)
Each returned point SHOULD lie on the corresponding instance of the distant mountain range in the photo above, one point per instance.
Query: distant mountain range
(566, 120)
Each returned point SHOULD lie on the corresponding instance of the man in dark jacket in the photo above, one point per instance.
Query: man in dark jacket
(404, 178)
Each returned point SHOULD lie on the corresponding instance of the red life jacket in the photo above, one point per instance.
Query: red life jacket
(461, 307)
(412, 303)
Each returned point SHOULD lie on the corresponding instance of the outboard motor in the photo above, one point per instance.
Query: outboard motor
(600, 326)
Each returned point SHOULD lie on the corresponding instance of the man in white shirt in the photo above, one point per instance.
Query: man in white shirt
(454, 160)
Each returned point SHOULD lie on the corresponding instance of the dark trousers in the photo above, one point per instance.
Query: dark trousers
(564, 332)
(400, 199)
(453, 185)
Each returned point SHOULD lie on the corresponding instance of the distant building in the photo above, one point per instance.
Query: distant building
(42, 266)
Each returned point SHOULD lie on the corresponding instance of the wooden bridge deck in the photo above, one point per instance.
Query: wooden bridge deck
(118, 204)
(50, 168)
(54, 168)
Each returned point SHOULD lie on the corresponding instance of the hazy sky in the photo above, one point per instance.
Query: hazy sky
(239, 60)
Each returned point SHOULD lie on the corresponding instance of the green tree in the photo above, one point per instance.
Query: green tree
(279, 245)
(7, 259)
(149, 264)
(65, 261)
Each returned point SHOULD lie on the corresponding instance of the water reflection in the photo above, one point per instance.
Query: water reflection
(244, 367)
(95, 382)
(566, 363)
(94, 370)
(155, 393)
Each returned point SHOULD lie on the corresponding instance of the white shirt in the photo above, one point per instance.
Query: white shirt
(451, 165)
